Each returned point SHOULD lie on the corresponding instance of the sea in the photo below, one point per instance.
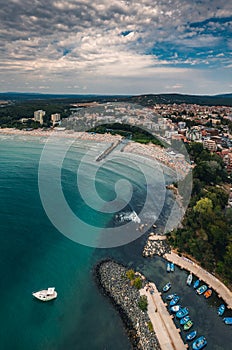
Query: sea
(35, 254)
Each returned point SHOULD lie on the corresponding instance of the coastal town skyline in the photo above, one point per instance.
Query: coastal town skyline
(121, 47)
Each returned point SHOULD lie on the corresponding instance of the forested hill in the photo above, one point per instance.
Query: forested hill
(149, 100)
(145, 100)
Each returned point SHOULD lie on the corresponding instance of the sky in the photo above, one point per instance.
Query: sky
(116, 47)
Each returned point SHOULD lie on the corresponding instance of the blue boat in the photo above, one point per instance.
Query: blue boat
(196, 284)
(170, 296)
(167, 287)
(172, 267)
(175, 308)
(174, 300)
(168, 267)
(185, 320)
(228, 320)
(182, 313)
(191, 335)
(201, 289)
(199, 343)
(221, 310)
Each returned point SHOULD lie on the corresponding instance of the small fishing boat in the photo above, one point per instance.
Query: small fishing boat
(172, 267)
(167, 287)
(168, 267)
(185, 320)
(221, 310)
(191, 335)
(170, 296)
(200, 343)
(201, 289)
(189, 279)
(175, 308)
(196, 284)
(208, 293)
(188, 325)
(228, 320)
(174, 300)
(182, 312)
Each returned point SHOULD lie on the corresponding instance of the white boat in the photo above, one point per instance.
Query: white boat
(46, 294)
(189, 279)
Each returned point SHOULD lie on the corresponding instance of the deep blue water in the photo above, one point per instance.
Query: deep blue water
(35, 255)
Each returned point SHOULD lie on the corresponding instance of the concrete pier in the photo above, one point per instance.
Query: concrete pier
(214, 283)
(167, 334)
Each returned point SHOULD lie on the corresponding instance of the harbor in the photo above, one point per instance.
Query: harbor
(212, 282)
(164, 327)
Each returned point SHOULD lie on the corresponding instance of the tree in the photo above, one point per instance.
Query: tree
(204, 206)
(130, 274)
(142, 303)
(138, 283)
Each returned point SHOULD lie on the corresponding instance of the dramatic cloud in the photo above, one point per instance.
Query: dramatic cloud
(115, 46)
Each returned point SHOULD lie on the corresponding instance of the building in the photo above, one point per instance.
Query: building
(38, 116)
(210, 145)
(55, 118)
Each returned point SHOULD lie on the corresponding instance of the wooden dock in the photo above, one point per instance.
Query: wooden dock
(214, 283)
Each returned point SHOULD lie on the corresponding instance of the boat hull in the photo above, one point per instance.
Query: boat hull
(200, 343)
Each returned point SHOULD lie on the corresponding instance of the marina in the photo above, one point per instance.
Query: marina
(214, 283)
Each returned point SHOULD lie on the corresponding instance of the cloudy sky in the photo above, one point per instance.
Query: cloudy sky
(113, 47)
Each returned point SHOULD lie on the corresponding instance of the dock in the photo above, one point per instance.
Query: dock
(213, 282)
(166, 332)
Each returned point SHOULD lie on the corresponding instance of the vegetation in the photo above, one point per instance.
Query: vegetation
(130, 274)
(133, 132)
(135, 281)
(138, 283)
(150, 326)
(207, 231)
(142, 303)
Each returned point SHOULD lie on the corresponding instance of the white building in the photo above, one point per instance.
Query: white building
(55, 118)
(38, 116)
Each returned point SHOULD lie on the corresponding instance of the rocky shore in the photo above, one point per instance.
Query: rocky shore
(156, 245)
(112, 280)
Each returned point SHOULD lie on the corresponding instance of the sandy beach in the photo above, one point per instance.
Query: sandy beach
(151, 151)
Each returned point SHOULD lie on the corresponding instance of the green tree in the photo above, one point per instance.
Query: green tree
(142, 303)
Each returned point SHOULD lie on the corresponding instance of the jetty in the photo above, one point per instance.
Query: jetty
(108, 150)
(167, 334)
(213, 282)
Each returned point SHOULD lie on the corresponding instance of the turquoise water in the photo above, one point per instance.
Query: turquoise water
(35, 255)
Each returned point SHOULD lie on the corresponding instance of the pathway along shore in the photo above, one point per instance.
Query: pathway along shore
(111, 278)
(214, 283)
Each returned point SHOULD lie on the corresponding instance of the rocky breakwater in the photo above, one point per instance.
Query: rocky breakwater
(156, 245)
(117, 283)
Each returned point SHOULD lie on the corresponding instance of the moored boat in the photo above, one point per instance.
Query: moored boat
(191, 335)
(221, 310)
(228, 320)
(196, 284)
(201, 289)
(189, 279)
(208, 293)
(168, 267)
(174, 300)
(46, 294)
(175, 308)
(172, 267)
(167, 287)
(199, 343)
(170, 296)
(188, 325)
(185, 320)
(182, 312)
